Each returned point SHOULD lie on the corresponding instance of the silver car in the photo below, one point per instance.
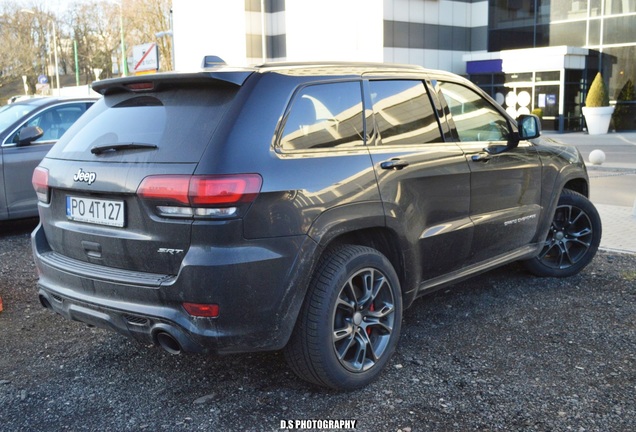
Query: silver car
(28, 130)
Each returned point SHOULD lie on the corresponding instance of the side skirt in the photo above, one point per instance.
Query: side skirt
(440, 282)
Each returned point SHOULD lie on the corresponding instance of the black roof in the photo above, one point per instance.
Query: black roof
(238, 75)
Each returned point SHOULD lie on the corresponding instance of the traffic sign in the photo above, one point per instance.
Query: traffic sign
(145, 57)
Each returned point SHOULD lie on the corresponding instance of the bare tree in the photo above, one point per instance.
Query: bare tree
(25, 36)
(102, 23)
(144, 19)
(88, 30)
(95, 28)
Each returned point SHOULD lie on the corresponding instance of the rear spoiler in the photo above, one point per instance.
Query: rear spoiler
(153, 82)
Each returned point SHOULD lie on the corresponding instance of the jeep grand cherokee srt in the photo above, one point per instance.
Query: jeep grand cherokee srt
(298, 207)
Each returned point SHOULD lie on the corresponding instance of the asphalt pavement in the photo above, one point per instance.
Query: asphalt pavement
(503, 351)
(613, 184)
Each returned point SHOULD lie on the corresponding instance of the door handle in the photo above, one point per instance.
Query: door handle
(394, 164)
(481, 157)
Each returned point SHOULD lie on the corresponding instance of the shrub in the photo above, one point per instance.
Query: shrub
(625, 112)
(538, 112)
(597, 96)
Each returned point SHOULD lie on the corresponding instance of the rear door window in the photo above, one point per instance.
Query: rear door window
(403, 113)
(325, 116)
(179, 122)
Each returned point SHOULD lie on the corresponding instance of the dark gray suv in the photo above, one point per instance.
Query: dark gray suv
(298, 207)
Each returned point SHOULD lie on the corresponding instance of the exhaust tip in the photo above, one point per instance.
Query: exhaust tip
(168, 343)
(45, 302)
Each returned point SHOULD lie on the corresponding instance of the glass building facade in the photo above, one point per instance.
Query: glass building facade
(606, 28)
(531, 55)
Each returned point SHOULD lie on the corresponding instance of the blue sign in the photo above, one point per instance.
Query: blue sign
(42, 79)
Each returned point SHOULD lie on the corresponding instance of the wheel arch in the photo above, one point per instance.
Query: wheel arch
(387, 242)
(579, 185)
(571, 179)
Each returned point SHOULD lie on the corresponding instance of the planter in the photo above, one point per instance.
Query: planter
(598, 119)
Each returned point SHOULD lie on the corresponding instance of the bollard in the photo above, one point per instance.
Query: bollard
(597, 157)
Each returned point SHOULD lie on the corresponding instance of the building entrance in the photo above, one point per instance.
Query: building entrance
(536, 93)
(548, 82)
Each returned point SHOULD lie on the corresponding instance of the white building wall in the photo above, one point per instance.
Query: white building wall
(347, 30)
(451, 61)
(208, 27)
(440, 12)
(434, 14)
(318, 30)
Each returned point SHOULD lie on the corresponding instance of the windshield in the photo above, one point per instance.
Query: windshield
(11, 113)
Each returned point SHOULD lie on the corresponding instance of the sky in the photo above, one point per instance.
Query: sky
(52, 5)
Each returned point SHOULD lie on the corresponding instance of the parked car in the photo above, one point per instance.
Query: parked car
(17, 98)
(28, 130)
(296, 206)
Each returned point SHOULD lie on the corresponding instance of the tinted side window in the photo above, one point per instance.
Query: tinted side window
(325, 116)
(403, 113)
(54, 121)
(475, 118)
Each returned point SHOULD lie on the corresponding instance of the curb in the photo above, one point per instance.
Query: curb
(592, 167)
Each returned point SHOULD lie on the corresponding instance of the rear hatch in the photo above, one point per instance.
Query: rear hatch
(118, 182)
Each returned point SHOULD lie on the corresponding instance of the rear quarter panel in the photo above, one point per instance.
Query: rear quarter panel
(297, 187)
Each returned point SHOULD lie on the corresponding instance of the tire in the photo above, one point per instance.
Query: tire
(573, 239)
(350, 322)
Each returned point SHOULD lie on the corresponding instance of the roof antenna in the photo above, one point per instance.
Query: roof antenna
(211, 60)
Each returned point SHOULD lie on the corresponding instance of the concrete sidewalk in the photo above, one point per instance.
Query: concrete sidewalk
(619, 222)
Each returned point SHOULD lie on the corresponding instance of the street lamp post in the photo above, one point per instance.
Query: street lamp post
(171, 34)
(124, 61)
(57, 69)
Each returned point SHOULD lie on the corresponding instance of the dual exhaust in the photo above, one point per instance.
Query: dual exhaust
(162, 338)
(168, 342)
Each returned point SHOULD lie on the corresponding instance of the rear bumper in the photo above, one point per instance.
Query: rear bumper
(144, 328)
(258, 286)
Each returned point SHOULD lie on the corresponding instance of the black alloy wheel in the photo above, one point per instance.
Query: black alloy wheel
(350, 323)
(363, 320)
(573, 238)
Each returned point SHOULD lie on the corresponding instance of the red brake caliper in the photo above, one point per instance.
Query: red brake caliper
(371, 309)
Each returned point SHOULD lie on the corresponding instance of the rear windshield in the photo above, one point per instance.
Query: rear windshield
(179, 122)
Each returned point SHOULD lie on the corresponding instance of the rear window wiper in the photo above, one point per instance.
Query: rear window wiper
(117, 147)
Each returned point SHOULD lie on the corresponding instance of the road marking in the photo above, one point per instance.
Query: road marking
(622, 138)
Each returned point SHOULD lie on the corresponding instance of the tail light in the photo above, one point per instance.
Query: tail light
(40, 181)
(219, 196)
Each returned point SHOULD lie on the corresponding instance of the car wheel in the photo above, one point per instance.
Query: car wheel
(573, 239)
(349, 325)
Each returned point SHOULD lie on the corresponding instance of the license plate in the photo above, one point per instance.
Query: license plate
(101, 212)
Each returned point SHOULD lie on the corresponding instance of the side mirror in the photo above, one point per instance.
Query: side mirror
(529, 126)
(29, 134)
